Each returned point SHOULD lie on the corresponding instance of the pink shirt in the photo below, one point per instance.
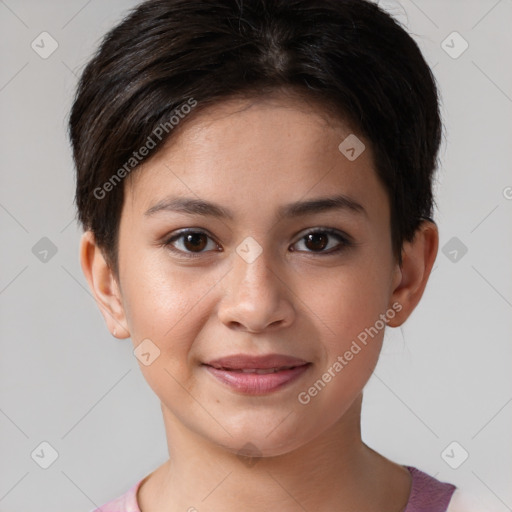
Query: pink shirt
(427, 495)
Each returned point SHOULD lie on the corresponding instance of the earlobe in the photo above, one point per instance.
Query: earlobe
(103, 285)
(418, 258)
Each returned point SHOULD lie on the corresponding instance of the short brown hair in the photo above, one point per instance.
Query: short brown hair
(349, 54)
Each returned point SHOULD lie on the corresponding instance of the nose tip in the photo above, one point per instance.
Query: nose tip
(255, 298)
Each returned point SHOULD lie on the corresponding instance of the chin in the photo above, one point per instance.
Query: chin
(255, 448)
(254, 442)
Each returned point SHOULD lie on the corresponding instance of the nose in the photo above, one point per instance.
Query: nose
(256, 296)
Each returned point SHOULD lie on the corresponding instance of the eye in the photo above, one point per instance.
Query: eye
(317, 241)
(190, 243)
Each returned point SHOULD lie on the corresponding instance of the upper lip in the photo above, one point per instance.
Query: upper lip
(246, 362)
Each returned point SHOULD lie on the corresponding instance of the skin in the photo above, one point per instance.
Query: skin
(252, 157)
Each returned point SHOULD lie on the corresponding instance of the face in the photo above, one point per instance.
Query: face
(268, 266)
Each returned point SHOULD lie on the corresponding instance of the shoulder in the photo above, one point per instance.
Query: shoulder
(427, 493)
(431, 495)
(125, 503)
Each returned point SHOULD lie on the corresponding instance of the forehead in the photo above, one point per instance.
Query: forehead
(265, 148)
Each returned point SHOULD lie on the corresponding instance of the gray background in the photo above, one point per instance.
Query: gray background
(445, 376)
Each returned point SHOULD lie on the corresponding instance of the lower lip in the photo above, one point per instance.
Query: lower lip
(257, 384)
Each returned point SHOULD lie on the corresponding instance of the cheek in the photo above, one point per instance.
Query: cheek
(166, 304)
(352, 334)
(348, 301)
(164, 308)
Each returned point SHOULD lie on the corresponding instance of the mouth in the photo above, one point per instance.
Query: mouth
(259, 371)
(257, 375)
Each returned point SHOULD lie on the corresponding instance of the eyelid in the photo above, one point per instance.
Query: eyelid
(323, 229)
(185, 231)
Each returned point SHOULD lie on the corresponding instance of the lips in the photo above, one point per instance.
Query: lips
(259, 371)
(255, 364)
(257, 375)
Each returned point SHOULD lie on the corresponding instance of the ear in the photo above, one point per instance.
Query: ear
(103, 285)
(411, 277)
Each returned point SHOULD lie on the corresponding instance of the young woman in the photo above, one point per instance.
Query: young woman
(255, 184)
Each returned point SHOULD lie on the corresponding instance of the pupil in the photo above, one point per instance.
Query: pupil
(195, 241)
(319, 241)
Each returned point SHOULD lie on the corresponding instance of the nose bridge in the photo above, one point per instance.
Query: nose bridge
(253, 275)
(255, 296)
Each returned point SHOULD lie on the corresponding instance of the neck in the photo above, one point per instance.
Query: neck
(335, 469)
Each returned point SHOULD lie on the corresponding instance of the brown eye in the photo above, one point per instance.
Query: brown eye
(190, 243)
(195, 241)
(316, 241)
(319, 240)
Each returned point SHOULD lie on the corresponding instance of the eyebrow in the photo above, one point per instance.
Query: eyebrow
(300, 208)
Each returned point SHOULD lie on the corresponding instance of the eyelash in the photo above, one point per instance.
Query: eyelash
(345, 243)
